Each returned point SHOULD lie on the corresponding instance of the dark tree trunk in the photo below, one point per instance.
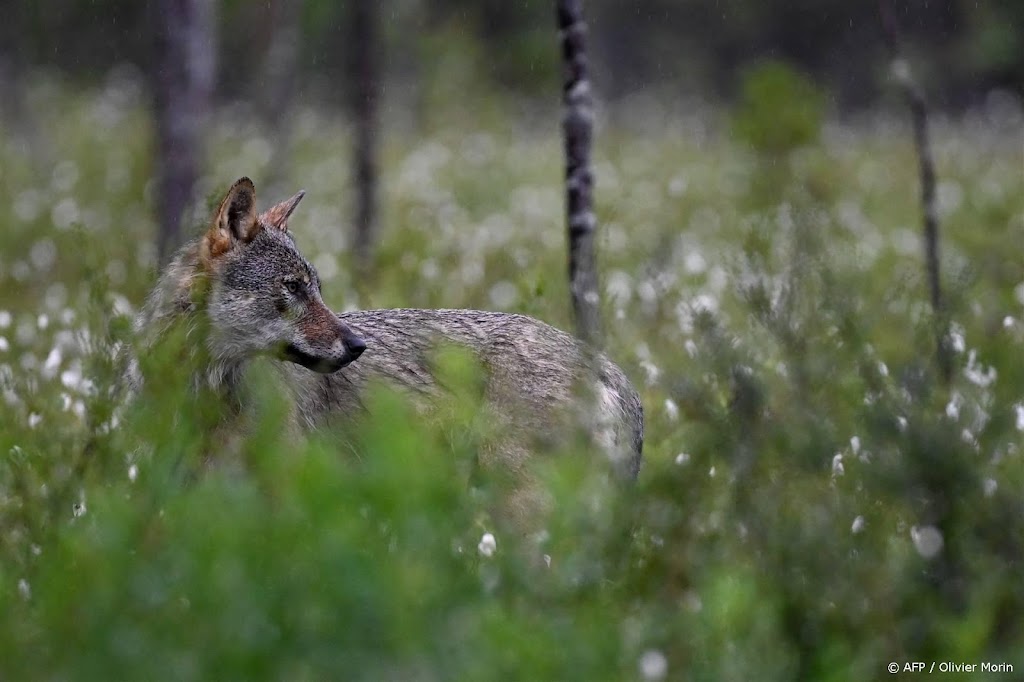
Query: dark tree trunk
(926, 166)
(947, 572)
(577, 126)
(182, 85)
(280, 78)
(364, 82)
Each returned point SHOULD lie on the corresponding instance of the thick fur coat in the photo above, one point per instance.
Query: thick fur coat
(243, 290)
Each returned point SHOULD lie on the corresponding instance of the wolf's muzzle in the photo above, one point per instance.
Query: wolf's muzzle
(319, 363)
(325, 364)
(325, 344)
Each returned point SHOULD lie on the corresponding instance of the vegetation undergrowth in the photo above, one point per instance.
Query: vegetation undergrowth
(814, 501)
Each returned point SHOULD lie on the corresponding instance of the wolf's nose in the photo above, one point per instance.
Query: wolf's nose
(355, 346)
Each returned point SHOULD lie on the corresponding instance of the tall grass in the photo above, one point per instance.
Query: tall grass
(813, 505)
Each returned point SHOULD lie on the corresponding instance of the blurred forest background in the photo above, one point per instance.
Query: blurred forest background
(683, 47)
(819, 497)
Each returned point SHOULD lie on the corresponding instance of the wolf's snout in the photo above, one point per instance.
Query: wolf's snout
(324, 343)
(355, 346)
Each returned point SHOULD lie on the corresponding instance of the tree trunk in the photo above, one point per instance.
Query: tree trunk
(364, 83)
(577, 126)
(280, 78)
(183, 77)
(926, 167)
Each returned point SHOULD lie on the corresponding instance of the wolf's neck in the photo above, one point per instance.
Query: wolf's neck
(224, 379)
(177, 305)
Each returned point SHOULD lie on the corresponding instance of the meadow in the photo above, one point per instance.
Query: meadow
(815, 502)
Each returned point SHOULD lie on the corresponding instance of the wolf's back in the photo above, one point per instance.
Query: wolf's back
(534, 372)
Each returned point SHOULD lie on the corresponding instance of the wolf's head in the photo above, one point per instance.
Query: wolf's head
(264, 297)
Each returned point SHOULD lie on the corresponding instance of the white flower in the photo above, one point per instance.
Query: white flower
(671, 409)
(488, 545)
(858, 525)
(71, 378)
(953, 407)
(52, 363)
(956, 339)
(694, 263)
(121, 305)
(837, 465)
(927, 540)
(651, 370)
(978, 374)
(653, 665)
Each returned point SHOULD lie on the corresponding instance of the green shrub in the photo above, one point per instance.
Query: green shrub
(779, 109)
(814, 503)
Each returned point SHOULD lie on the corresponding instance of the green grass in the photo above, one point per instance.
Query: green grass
(770, 309)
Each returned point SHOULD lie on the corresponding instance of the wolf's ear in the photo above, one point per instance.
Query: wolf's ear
(276, 216)
(235, 222)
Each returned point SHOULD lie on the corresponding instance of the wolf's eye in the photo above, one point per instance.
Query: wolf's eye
(293, 286)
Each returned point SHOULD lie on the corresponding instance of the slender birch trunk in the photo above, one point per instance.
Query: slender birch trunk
(926, 167)
(577, 127)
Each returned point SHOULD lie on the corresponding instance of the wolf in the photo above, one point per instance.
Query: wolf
(243, 290)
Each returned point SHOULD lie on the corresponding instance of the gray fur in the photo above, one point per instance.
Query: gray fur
(534, 374)
(237, 303)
